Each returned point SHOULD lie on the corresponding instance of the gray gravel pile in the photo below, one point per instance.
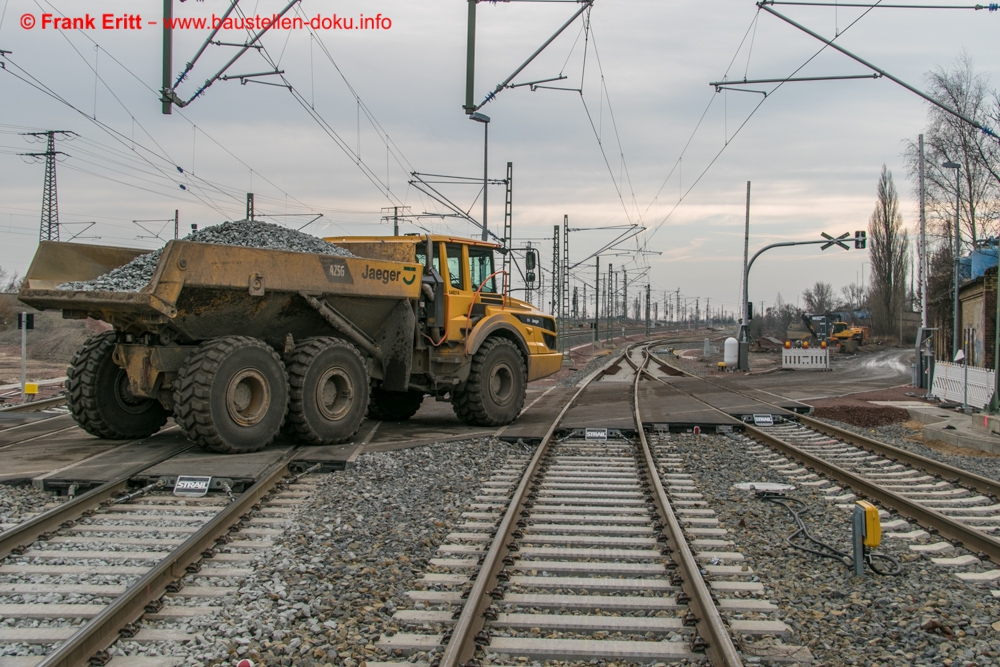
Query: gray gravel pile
(328, 589)
(897, 435)
(925, 616)
(135, 275)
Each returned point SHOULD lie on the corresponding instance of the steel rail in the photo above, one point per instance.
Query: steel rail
(952, 474)
(461, 647)
(28, 531)
(35, 405)
(103, 630)
(972, 539)
(721, 650)
(983, 485)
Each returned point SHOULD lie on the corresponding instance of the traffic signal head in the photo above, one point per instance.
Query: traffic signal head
(530, 259)
(860, 240)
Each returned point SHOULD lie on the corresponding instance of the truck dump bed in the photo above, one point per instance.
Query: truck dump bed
(201, 291)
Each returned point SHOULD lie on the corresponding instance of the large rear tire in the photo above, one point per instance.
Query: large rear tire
(494, 393)
(231, 395)
(329, 391)
(99, 397)
(394, 406)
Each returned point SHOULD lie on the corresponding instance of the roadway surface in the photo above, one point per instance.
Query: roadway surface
(864, 372)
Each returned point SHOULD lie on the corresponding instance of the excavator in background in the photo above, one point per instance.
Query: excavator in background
(825, 327)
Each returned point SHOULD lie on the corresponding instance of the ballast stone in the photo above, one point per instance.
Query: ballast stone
(135, 275)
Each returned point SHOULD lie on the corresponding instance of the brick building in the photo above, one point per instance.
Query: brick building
(977, 321)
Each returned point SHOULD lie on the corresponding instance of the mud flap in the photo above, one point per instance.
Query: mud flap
(395, 339)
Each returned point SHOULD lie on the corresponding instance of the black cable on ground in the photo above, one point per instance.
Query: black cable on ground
(797, 508)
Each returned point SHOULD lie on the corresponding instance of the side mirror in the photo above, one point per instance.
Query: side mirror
(530, 260)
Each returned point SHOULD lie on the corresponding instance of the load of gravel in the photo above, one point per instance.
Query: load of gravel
(135, 275)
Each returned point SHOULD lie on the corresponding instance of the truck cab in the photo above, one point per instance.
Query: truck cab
(465, 312)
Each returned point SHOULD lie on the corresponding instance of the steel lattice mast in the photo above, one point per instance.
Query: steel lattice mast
(49, 228)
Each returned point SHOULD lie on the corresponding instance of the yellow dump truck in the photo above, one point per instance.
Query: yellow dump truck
(237, 343)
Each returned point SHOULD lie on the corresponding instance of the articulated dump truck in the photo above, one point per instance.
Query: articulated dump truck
(239, 343)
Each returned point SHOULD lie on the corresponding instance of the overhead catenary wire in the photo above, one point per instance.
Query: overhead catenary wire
(163, 154)
(746, 120)
(992, 7)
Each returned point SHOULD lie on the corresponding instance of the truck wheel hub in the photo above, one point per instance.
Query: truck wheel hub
(501, 384)
(248, 397)
(335, 394)
(128, 401)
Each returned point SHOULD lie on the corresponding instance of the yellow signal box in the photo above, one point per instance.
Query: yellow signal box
(873, 524)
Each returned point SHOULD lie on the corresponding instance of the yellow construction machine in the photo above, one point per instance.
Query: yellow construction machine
(236, 342)
(824, 327)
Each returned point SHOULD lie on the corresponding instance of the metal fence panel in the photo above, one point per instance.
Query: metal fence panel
(949, 383)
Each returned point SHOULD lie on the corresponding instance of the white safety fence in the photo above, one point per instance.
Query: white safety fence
(815, 359)
(949, 383)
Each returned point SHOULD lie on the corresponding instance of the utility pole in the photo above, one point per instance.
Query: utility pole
(625, 295)
(597, 301)
(708, 311)
(697, 311)
(677, 312)
(647, 310)
(743, 354)
(556, 287)
(923, 241)
(177, 229)
(49, 228)
(250, 211)
(395, 217)
(564, 272)
(166, 107)
(608, 311)
(508, 229)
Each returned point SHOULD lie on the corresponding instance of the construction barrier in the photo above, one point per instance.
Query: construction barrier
(949, 383)
(806, 359)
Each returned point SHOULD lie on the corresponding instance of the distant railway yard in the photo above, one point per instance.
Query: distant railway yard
(624, 518)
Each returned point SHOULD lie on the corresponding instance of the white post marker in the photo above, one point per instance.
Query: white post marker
(960, 357)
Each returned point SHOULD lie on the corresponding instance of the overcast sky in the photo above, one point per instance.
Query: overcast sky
(659, 148)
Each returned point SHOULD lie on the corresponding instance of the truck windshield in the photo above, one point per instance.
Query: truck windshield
(481, 267)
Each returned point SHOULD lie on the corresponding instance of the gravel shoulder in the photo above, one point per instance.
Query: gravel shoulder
(327, 590)
(925, 616)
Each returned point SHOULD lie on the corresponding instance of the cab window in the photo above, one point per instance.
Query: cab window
(455, 265)
(422, 257)
(481, 268)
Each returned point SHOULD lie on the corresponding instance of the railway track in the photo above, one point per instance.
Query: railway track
(959, 506)
(592, 549)
(111, 573)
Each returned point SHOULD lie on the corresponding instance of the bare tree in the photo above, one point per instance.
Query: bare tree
(889, 247)
(819, 298)
(950, 139)
(853, 297)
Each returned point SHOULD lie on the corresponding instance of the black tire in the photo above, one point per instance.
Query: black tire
(494, 393)
(99, 397)
(231, 395)
(329, 391)
(394, 406)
